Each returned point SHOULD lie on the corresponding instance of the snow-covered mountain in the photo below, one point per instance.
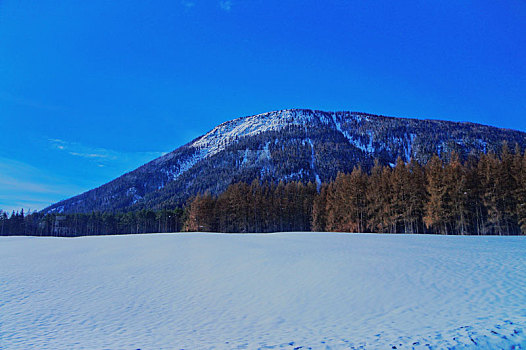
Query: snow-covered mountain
(295, 144)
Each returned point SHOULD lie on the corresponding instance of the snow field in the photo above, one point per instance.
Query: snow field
(287, 290)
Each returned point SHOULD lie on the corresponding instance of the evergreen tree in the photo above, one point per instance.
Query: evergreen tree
(435, 206)
(3, 221)
(399, 181)
(346, 202)
(417, 197)
(488, 170)
(507, 188)
(200, 214)
(378, 199)
(520, 195)
(476, 209)
(319, 210)
(456, 202)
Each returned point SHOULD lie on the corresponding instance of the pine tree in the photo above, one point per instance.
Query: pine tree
(399, 182)
(520, 195)
(376, 199)
(417, 197)
(507, 187)
(456, 202)
(346, 202)
(3, 220)
(358, 184)
(201, 214)
(280, 203)
(488, 172)
(476, 209)
(311, 190)
(319, 210)
(434, 208)
(255, 215)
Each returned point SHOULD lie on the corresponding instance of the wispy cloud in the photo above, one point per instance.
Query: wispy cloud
(79, 150)
(188, 3)
(89, 155)
(25, 186)
(72, 169)
(27, 102)
(98, 154)
(225, 5)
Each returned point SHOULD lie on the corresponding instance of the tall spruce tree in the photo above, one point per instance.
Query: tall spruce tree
(400, 184)
(488, 169)
(520, 195)
(346, 202)
(456, 202)
(507, 188)
(378, 201)
(319, 210)
(417, 197)
(200, 214)
(476, 208)
(435, 206)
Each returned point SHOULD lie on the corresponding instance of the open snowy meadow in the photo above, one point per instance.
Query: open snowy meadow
(263, 291)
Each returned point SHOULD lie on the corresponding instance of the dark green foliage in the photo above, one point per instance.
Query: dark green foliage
(95, 223)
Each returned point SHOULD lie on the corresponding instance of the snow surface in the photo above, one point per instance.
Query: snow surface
(224, 134)
(296, 290)
(312, 163)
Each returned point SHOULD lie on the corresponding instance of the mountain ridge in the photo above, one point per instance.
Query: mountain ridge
(287, 145)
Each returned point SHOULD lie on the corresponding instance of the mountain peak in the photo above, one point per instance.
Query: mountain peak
(288, 145)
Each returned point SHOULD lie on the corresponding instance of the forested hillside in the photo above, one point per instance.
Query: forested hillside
(288, 145)
(483, 194)
(477, 196)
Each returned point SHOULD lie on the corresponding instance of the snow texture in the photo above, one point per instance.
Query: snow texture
(227, 133)
(312, 163)
(291, 291)
(368, 148)
(409, 147)
(222, 135)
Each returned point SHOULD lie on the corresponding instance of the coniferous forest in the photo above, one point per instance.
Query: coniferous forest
(480, 195)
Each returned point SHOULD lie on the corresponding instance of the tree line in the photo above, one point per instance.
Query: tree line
(95, 223)
(258, 207)
(483, 195)
(478, 195)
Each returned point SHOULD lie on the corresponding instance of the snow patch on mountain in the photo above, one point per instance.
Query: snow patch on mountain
(312, 164)
(57, 210)
(356, 142)
(409, 147)
(185, 164)
(266, 151)
(245, 157)
(225, 134)
(370, 136)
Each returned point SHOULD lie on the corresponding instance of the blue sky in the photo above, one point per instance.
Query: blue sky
(92, 89)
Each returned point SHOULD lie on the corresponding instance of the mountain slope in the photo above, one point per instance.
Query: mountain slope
(285, 145)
